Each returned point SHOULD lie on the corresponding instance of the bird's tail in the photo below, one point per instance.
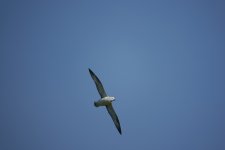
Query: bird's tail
(95, 103)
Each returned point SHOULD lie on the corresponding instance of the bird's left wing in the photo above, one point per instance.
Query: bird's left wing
(98, 84)
(115, 119)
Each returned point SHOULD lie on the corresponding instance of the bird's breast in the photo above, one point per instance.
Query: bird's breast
(102, 102)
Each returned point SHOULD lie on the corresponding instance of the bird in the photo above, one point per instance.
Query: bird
(105, 100)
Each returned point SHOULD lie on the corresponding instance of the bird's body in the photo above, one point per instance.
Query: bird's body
(105, 101)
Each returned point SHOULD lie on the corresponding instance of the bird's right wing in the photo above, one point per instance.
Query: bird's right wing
(115, 119)
(98, 84)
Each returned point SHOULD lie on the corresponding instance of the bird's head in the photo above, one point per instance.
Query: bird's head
(112, 98)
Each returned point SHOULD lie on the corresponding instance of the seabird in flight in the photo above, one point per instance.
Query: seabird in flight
(105, 100)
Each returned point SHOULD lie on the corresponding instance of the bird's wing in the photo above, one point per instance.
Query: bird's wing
(98, 84)
(115, 119)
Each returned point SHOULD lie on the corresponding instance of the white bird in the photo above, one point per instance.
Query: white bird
(105, 100)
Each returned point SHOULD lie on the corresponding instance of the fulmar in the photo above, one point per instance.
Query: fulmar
(105, 100)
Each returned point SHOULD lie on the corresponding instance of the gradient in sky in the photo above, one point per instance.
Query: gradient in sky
(164, 61)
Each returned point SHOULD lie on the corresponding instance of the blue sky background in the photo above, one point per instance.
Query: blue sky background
(164, 61)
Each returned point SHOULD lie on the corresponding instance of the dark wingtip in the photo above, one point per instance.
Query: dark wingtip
(120, 131)
(90, 71)
(119, 128)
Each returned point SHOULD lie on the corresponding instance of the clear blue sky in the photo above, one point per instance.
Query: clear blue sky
(164, 61)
